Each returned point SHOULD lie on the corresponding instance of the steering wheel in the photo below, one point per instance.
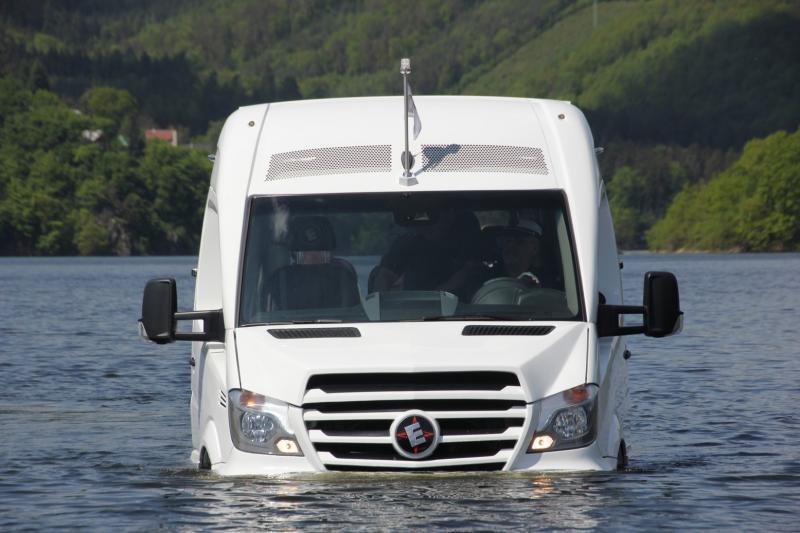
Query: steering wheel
(502, 291)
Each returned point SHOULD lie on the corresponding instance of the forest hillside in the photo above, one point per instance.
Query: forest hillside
(678, 94)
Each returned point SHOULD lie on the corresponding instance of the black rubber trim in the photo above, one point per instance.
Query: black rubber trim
(448, 426)
(507, 330)
(314, 333)
(483, 467)
(386, 452)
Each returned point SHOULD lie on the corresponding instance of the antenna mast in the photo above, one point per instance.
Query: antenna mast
(406, 158)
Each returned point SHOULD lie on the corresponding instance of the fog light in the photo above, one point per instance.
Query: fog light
(571, 423)
(287, 446)
(542, 442)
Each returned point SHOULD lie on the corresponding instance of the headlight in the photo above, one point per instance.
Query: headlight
(260, 424)
(566, 420)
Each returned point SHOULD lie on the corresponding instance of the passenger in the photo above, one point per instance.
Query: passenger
(519, 248)
(315, 279)
(444, 256)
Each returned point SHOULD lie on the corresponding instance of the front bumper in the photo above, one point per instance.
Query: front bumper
(588, 458)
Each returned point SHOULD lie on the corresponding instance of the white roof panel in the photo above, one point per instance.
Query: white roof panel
(355, 144)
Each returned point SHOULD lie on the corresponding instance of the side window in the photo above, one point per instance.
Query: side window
(608, 277)
(570, 283)
(208, 294)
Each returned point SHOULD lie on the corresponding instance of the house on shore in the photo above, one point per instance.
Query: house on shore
(169, 135)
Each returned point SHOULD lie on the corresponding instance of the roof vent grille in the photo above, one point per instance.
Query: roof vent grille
(332, 160)
(483, 158)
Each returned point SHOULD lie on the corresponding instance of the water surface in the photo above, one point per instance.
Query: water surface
(95, 425)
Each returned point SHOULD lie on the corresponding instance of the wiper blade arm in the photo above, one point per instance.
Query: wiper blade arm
(467, 318)
(298, 322)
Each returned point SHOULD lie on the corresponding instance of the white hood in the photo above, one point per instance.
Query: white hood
(280, 368)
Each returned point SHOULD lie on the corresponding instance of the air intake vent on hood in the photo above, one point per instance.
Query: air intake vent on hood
(416, 381)
(314, 333)
(507, 330)
(333, 160)
(483, 158)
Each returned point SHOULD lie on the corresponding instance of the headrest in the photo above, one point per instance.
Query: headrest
(526, 226)
(522, 227)
(311, 233)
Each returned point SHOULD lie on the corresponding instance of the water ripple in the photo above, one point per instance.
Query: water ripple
(96, 429)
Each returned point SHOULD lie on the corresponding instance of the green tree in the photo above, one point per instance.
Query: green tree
(109, 102)
(37, 77)
(626, 193)
(176, 182)
(115, 113)
(753, 206)
(91, 236)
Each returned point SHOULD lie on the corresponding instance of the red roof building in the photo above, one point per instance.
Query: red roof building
(171, 136)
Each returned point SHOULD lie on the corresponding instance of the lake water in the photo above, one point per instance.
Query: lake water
(95, 424)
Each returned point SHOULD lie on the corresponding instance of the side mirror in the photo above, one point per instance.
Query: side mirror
(159, 304)
(661, 314)
(159, 316)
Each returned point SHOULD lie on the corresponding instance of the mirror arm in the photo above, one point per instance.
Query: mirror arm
(608, 320)
(213, 326)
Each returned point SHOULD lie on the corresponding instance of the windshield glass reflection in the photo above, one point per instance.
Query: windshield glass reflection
(402, 256)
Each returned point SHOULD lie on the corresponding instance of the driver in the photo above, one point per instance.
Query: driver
(442, 256)
(519, 247)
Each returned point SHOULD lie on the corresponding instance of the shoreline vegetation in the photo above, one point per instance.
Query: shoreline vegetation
(695, 104)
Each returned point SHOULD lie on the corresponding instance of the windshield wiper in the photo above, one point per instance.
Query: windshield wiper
(467, 318)
(292, 322)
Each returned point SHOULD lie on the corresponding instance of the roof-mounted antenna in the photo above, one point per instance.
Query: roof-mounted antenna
(409, 111)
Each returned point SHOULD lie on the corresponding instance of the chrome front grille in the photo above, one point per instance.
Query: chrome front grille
(348, 417)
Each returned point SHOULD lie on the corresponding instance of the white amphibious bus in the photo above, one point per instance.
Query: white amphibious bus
(464, 313)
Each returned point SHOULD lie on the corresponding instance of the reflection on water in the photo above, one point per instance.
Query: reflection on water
(96, 424)
(389, 501)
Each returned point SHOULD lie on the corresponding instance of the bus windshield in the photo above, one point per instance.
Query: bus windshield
(497, 255)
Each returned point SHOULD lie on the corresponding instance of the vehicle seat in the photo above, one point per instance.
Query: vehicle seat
(322, 284)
